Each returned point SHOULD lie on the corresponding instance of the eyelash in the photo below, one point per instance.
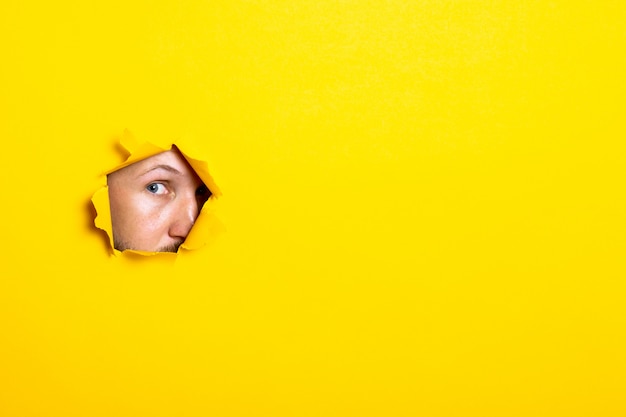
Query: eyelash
(203, 190)
(156, 191)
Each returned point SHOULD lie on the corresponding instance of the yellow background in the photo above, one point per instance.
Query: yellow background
(424, 203)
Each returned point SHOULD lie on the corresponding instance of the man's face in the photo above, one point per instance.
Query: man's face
(155, 202)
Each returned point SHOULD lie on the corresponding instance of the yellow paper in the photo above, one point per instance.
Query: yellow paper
(423, 209)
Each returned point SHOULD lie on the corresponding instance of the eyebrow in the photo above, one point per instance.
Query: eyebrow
(162, 166)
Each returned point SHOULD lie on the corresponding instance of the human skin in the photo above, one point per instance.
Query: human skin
(155, 202)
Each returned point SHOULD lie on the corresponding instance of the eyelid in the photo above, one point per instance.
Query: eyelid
(163, 191)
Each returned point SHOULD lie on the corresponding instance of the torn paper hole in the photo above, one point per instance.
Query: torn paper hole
(158, 201)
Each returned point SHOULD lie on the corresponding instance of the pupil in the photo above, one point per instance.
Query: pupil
(202, 190)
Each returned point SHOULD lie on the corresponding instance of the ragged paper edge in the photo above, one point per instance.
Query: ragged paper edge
(137, 150)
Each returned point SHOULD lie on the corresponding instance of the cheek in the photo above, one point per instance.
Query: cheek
(138, 217)
(147, 213)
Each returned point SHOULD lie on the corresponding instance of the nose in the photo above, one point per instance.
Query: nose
(184, 216)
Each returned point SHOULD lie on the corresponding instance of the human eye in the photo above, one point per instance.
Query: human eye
(157, 188)
(203, 191)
